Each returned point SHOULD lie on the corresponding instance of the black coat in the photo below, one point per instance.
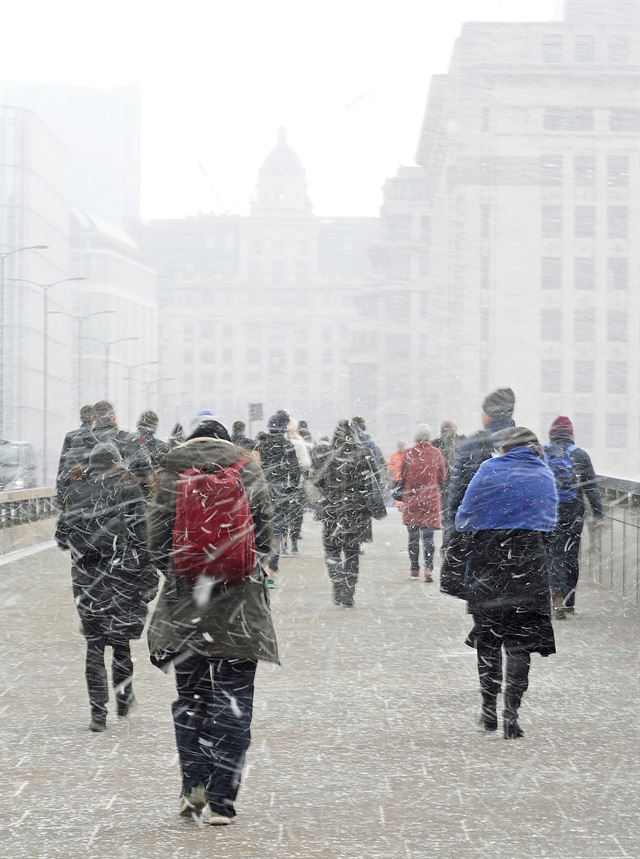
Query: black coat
(346, 503)
(134, 456)
(113, 578)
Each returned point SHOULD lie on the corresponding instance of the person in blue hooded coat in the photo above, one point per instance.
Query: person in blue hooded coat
(508, 512)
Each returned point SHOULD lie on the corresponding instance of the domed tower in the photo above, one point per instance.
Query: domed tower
(282, 186)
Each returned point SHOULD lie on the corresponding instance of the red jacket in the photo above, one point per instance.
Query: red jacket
(422, 473)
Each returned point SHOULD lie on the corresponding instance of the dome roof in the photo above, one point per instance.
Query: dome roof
(282, 158)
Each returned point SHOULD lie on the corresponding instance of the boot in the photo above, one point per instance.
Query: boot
(489, 713)
(294, 546)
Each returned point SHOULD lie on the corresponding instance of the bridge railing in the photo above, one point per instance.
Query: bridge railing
(611, 555)
(19, 506)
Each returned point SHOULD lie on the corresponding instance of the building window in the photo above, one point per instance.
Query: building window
(616, 325)
(618, 49)
(398, 227)
(583, 324)
(253, 356)
(621, 119)
(398, 306)
(584, 49)
(423, 265)
(551, 273)
(584, 171)
(618, 171)
(550, 324)
(552, 48)
(617, 222)
(583, 377)
(551, 222)
(584, 273)
(617, 269)
(616, 430)
(551, 169)
(568, 119)
(484, 272)
(550, 377)
(616, 377)
(584, 222)
(400, 265)
(583, 427)
(485, 217)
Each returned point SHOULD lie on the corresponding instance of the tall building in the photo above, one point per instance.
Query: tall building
(262, 308)
(100, 129)
(35, 341)
(530, 151)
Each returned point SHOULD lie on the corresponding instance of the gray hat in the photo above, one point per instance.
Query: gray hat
(500, 403)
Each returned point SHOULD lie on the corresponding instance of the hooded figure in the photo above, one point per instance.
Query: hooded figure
(575, 481)
(508, 512)
(113, 579)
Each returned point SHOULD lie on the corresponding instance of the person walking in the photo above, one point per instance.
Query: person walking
(395, 463)
(575, 481)
(212, 621)
(154, 447)
(239, 437)
(422, 473)
(448, 442)
(103, 525)
(508, 513)
(282, 472)
(297, 496)
(345, 509)
(69, 440)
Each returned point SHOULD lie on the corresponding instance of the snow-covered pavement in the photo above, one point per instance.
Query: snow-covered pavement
(364, 740)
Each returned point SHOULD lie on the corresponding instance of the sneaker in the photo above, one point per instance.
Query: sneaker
(214, 818)
(192, 801)
(428, 576)
(272, 584)
(415, 575)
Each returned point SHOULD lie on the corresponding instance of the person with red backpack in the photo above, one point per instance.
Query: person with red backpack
(210, 527)
(575, 479)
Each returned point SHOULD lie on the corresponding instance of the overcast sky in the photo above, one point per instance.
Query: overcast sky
(348, 78)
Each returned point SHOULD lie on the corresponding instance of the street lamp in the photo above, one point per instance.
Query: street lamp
(107, 353)
(80, 318)
(148, 383)
(130, 368)
(45, 287)
(3, 257)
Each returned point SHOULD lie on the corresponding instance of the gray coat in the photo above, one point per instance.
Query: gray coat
(235, 620)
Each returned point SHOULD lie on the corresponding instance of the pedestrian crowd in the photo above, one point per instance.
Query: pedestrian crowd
(211, 513)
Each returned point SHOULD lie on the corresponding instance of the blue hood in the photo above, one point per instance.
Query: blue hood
(515, 490)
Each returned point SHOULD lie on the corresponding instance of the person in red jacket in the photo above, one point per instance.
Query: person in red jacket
(423, 471)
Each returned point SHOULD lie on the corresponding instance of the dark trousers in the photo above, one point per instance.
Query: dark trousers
(565, 550)
(96, 674)
(343, 566)
(212, 721)
(295, 513)
(428, 546)
(517, 667)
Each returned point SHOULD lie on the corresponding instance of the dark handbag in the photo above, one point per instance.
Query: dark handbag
(453, 571)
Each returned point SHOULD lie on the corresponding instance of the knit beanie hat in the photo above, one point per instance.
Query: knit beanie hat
(561, 426)
(279, 421)
(520, 437)
(499, 403)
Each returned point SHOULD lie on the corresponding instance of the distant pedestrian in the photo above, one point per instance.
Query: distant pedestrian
(239, 436)
(147, 427)
(347, 487)
(395, 463)
(373, 451)
(507, 515)
(575, 481)
(70, 438)
(177, 436)
(104, 527)
(212, 620)
(422, 473)
(305, 432)
(448, 442)
(297, 495)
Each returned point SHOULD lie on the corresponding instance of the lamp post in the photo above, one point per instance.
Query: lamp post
(3, 257)
(45, 287)
(130, 368)
(108, 347)
(148, 383)
(80, 318)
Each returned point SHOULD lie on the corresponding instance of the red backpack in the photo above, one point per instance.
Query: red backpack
(213, 534)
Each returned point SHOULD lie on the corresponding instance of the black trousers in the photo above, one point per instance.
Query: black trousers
(343, 566)
(212, 721)
(96, 674)
(565, 550)
(517, 666)
(428, 546)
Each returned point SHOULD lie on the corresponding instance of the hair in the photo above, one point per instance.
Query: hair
(422, 433)
(358, 422)
(148, 420)
(103, 409)
(237, 427)
(178, 428)
(210, 429)
(448, 426)
(520, 437)
(85, 414)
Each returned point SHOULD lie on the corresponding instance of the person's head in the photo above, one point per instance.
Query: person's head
(520, 437)
(422, 433)
(238, 428)
(148, 421)
(103, 414)
(561, 428)
(401, 446)
(104, 457)
(498, 405)
(177, 431)
(85, 415)
(303, 425)
(448, 428)
(278, 422)
(209, 428)
(346, 435)
(359, 423)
